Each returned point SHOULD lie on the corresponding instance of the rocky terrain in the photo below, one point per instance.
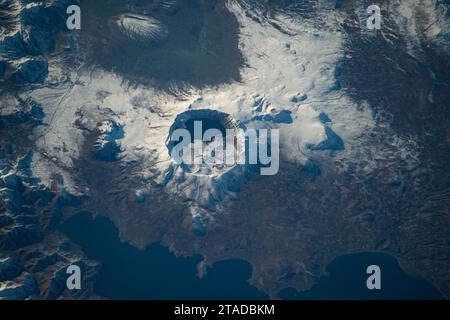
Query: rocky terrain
(363, 118)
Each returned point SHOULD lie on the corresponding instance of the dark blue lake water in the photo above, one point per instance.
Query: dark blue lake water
(347, 280)
(156, 273)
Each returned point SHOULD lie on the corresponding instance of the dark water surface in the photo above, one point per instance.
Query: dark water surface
(347, 280)
(156, 273)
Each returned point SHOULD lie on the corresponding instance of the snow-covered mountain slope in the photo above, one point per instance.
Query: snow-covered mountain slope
(292, 67)
(290, 80)
(293, 72)
(141, 28)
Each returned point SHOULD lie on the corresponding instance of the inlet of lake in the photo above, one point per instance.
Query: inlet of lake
(156, 273)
